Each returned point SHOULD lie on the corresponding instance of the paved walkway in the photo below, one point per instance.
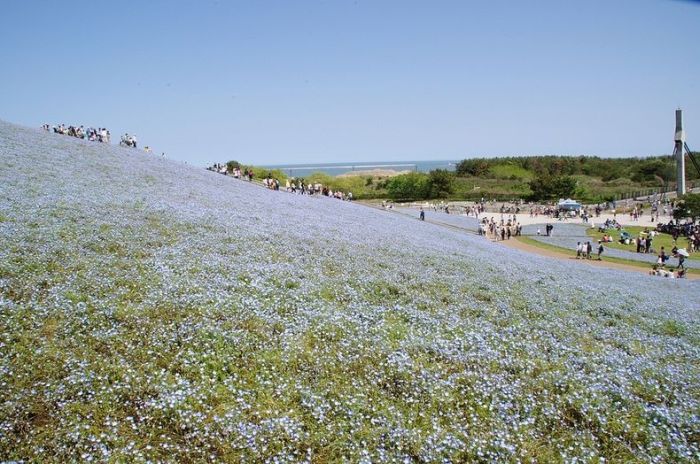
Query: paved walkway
(566, 235)
(467, 223)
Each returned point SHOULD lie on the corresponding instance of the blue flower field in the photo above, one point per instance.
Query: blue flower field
(156, 312)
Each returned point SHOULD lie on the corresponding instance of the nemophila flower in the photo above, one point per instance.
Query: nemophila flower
(154, 312)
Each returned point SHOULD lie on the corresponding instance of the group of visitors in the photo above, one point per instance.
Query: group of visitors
(500, 230)
(671, 274)
(659, 268)
(607, 238)
(245, 174)
(128, 140)
(237, 173)
(689, 230)
(299, 186)
(218, 167)
(676, 252)
(93, 135)
(645, 241)
(585, 250)
(609, 223)
(292, 185)
(548, 211)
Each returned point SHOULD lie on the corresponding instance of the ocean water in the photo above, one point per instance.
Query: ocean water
(334, 169)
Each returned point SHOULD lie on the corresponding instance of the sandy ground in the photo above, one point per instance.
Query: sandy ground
(374, 173)
(623, 219)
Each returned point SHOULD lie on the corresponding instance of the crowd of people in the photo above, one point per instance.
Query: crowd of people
(93, 135)
(500, 230)
(660, 272)
(585, 250)
(292, 185)
(129, 140)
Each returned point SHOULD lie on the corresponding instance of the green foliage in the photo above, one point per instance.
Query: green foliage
(263, 172)
(361, 187)
(411, 186)
(441, 183)
(510, 171)
(552, 187)
(231, 165)
(651, 169)
(688, 206)
(476, 167)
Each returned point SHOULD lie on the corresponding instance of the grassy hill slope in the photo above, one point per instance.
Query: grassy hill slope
(153, 311)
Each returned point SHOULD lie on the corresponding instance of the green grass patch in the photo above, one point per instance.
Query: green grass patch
(660, 240)
(508, 171)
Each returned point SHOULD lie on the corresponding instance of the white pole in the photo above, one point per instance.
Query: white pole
(679, 139)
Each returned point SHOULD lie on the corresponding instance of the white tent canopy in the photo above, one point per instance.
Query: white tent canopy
(569, 204)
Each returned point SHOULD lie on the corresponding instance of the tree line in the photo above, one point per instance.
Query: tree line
(608, 169)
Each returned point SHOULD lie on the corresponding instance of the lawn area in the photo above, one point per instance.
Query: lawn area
(660, 240)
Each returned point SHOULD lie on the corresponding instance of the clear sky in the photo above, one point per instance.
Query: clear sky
(335, 81)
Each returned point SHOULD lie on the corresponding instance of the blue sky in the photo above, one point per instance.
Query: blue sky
(336, 81)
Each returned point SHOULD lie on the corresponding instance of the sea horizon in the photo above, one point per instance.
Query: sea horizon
(335, 169)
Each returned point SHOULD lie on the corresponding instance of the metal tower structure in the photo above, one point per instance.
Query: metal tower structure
(678, 147)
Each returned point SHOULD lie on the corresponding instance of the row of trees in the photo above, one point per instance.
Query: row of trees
(608, 169)
(420, 186)
(441, 183)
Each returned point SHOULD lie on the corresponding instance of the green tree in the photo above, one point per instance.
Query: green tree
(231, 165)
(688, 206)
(651, 169)
(546, 187)
(411, 186)
(441, 183)
(477, 167)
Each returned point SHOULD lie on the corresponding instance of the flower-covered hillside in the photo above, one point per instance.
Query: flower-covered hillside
(151, 311)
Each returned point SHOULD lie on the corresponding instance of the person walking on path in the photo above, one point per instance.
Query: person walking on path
(579, 250)
(662, 257)
(600, 249)
(422, 214)
(589, 249)
(681, 260)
